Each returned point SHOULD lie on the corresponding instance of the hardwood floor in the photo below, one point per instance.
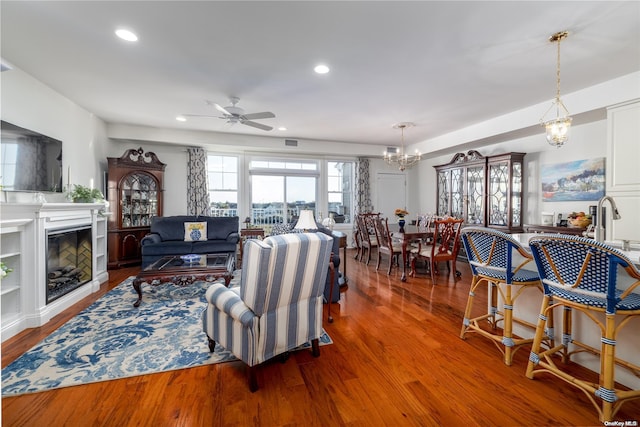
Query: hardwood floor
(397, 359)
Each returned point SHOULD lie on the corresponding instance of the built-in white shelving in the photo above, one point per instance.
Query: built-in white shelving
(23, 246)
(100, 257)
(12, 247)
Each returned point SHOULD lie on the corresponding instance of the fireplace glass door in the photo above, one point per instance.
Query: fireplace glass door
(69, 261)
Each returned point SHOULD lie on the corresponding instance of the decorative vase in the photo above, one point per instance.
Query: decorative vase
(401, 223)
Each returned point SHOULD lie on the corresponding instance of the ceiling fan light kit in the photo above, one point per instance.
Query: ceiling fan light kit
(400, 158)
(557, 129)
(234, 114)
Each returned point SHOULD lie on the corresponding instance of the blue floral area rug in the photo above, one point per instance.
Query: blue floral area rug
(111, 339)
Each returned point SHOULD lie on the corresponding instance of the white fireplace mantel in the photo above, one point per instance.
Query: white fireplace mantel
(26, 289)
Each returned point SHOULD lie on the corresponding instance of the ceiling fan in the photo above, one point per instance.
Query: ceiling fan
(233, 114)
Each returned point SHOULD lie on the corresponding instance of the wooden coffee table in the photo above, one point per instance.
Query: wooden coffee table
(174, 269)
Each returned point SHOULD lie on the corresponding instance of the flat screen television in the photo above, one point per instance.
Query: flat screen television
(29, 161)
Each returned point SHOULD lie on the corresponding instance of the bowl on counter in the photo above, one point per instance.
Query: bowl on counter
(581, 222)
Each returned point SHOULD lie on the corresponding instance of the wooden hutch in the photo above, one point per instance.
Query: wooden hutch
(135, 193)
(484, 191)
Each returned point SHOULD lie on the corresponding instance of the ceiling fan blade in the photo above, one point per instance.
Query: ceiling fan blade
(222, 109)
(256, 125)
(263, 115)
(200, 115)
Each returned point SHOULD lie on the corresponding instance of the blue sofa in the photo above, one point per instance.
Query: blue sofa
(167, 237)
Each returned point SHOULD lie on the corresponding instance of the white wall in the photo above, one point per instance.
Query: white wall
(28, 103)
(413, 187)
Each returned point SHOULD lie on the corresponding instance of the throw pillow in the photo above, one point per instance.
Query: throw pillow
(281, 229)
(194, 231)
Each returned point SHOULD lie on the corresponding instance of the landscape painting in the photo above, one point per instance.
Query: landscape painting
(580, 180)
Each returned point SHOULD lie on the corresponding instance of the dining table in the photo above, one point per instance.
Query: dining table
(408, 234)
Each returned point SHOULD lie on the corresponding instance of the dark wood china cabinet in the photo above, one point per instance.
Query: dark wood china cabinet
(504, 192)
(484, 191)
(461, 188)
(135, 192)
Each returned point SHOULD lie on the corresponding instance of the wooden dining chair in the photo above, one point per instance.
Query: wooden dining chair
(368, 238)
(386, 245)
(357, 239)
(424, 224)
(444, 247)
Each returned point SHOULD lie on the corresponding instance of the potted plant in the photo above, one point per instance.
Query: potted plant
(4, 270)
(82, 194)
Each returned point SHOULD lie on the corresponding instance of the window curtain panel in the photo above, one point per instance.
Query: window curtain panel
(363, 189)
(197, 188)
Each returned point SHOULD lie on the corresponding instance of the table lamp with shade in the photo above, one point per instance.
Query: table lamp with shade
(306, 222)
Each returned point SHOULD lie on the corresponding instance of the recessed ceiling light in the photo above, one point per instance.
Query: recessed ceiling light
(321, 69)
(126, 35)
(282, 128)
(181, 119)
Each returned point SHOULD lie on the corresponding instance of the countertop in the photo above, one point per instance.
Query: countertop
(633, 254)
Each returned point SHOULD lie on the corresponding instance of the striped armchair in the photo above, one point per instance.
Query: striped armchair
(278, 305)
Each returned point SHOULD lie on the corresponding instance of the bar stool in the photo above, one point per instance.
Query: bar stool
(584, 275)
(491, 255)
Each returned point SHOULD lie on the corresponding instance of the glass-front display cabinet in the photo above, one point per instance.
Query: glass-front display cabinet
(461, 188)
(504, 192)
(135, 196)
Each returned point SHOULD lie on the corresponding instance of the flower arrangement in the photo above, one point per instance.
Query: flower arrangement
(4, 270)
(400, 213)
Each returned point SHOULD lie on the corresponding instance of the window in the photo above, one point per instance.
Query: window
(340, 190)
(222, 175)
(280, 189)
(9, 156)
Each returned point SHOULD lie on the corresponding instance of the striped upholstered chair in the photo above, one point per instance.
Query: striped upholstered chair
(278, 304)
(500, 261)
(595, 279)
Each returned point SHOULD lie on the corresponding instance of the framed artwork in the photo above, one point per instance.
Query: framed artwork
(580, 180)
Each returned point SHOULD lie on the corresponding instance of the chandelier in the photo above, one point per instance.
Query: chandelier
(401, 158)
(557, 128)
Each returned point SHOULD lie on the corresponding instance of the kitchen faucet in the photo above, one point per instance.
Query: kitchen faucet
(599, 229)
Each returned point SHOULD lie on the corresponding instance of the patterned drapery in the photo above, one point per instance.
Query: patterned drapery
(363, 187)
(363, 190)
(197, 188)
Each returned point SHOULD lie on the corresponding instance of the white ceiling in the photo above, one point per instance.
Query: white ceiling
(442, 65)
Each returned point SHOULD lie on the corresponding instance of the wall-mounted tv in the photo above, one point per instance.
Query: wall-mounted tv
(29, 161)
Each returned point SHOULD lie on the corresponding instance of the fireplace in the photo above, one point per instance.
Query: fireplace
(69, 260)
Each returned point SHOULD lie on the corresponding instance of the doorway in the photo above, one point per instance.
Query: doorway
(391, 193)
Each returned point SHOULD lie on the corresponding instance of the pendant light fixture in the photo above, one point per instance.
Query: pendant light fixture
(557, 128)
(401, 158)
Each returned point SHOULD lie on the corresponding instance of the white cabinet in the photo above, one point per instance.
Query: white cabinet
(14, 254)
(623, 169)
